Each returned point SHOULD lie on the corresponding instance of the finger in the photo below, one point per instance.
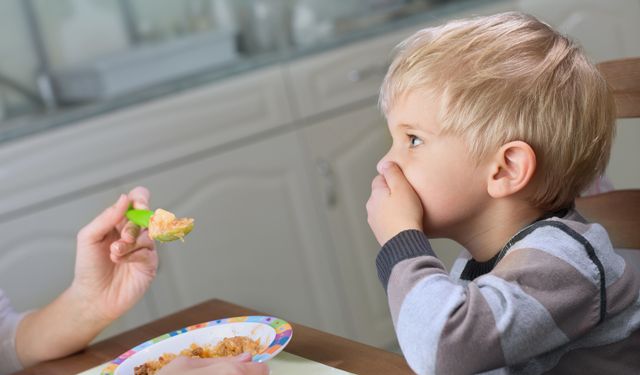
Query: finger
(121, 248)
(104, 223)
(255, 369)
(379, 183)
(243, 357)
(144, 256)
(194, 363)
(129, 232)
(140, 197)
(393, 176)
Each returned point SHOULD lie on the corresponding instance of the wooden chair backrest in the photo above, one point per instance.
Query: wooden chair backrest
(619, 210)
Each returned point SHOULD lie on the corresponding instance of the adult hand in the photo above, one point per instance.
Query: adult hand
(115, 263)
(115, 260)
(393, 205)
(239, 365)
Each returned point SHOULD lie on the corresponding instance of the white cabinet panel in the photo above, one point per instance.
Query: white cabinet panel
(606, 29)
(346, 150)
(346, 75)
(256, 240)
(88, 154)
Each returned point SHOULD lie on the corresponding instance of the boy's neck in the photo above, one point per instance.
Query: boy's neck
(491, 230)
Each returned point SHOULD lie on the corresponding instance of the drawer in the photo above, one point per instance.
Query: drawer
(342, 76)
(87, 155)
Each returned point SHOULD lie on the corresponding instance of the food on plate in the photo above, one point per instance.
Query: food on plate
(228, 347)
(165, 227)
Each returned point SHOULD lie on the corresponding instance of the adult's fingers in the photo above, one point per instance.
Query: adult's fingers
(104, 223)
(205, 362)
(120, 249)
(140, 197)
(219, 366)
(254, 369)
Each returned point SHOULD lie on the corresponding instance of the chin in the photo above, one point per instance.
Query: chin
(435, 230)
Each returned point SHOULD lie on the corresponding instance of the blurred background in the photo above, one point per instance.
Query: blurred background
(256, 117)
(61, 53)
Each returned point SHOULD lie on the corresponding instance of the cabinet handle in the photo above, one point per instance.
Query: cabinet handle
(362, 74)
(328, 181)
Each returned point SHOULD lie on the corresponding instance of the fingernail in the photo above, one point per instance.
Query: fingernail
(116, 247)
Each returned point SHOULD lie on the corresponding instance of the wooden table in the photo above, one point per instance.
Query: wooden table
(307, 342)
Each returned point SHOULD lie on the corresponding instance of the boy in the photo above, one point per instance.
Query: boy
(498, 123)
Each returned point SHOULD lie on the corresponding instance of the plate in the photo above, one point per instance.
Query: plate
(273, 332)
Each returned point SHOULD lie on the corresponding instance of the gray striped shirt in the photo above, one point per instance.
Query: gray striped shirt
(560, 300)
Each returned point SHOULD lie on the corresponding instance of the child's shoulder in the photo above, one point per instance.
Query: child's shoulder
(574, 241)
(559, 235)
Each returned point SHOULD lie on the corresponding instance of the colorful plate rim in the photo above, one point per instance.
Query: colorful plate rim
(283, 330)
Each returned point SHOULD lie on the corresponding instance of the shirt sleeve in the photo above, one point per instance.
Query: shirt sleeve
(9, 320)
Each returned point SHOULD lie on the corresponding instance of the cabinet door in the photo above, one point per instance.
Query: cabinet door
(345, 151)
(38, 254)
(81, 156)
(255, 241)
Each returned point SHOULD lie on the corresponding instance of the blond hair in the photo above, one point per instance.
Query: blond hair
(512, 77)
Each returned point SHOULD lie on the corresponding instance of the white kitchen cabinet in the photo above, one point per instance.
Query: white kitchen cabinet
(345, 150)
(346, 75)
(257, 239)
(38, 254)
(39, 169)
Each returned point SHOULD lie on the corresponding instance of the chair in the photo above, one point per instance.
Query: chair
(619, 210)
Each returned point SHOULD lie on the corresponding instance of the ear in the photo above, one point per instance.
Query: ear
(511, 170)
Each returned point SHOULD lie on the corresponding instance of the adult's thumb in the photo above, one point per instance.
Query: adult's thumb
(104, 223)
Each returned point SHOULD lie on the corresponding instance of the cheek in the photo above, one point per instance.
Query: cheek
(429, 183)
(440, 185)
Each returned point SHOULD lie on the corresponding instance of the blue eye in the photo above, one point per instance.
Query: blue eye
(414, 141)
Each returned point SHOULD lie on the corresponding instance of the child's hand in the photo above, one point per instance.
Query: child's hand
(115, 261)
(393, 205)
(215, 366)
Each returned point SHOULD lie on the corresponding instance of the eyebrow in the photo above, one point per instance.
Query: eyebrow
(406, 126)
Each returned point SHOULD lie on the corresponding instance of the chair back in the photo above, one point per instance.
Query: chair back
(619, 210)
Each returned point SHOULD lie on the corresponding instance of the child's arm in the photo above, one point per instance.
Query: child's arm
(115, 264)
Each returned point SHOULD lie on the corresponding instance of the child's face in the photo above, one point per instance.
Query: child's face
(450, 184)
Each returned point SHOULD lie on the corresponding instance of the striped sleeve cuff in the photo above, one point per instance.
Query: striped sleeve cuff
(406, 244)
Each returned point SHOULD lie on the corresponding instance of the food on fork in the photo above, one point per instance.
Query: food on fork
(163, 225)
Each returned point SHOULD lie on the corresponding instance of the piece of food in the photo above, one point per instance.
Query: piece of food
(165, 227)
(228, 347)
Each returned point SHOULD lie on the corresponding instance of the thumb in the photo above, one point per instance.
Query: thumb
(104, 223)
(394, 177)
